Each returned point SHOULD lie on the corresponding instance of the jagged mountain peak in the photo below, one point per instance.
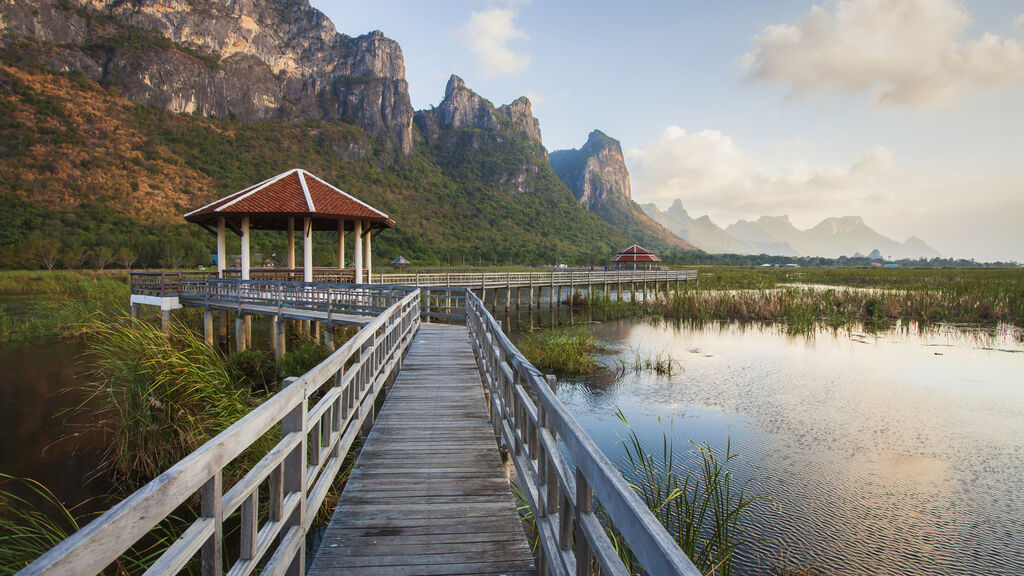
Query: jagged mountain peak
(676, 210)
(464, 108)
(596, 174)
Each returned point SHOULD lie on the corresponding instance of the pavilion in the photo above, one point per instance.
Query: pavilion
(290, 198)
(635, 258)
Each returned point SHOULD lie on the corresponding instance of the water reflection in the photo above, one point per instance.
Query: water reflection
(38, 381)
(893, 452)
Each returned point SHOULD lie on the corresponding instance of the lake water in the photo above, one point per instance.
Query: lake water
(38, 381)
(891, 453)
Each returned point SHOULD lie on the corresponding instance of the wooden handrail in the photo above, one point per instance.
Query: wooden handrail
(321, 435)
(169, 283)
(532, 423)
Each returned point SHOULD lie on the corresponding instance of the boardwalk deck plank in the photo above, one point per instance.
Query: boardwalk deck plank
(428, 494)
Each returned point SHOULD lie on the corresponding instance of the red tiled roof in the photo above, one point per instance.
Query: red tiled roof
(295, 193)
(635, 253)
(636, 249)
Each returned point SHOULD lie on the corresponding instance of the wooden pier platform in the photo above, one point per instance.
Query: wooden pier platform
(429, 493)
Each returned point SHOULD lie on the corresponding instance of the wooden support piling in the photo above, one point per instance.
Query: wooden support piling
(208, 327)
(239, 333)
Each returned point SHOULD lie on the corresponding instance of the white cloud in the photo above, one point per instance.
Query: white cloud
(488, 35)
(712, 174)
(904, 52)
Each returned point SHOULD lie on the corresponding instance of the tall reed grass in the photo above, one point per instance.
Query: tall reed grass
(30, 526)
(157, 398)
(566, 350)
(802, 309)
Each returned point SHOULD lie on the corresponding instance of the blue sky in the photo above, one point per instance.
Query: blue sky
(905, 112)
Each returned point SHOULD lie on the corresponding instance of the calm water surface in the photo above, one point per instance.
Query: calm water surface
(39, 380)
(891, 453)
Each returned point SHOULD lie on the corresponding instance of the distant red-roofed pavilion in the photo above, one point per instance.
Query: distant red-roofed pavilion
(277, 203)
(635, 258)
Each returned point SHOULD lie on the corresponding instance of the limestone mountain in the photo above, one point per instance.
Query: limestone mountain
(831, 238)
(596, 174)
(248, 59)
(464, 108)
(708, 236)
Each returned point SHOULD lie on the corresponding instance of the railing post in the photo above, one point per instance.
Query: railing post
(584, 506)
(294, 475)
(211, 507)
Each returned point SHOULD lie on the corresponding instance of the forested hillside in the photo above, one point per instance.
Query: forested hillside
(85, 175)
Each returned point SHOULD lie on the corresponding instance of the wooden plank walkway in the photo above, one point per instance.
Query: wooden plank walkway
(428, 494)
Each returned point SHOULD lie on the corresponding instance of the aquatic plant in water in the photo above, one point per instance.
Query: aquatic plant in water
(569, 350)
(700, 509)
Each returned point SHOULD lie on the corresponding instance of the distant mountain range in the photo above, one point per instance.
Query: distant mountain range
(776, 235)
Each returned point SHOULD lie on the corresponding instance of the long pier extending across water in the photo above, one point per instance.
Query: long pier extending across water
(428, 493)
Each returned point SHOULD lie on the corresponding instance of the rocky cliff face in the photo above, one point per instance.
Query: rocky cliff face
(597, 175)
(464, 108)
(253, 59)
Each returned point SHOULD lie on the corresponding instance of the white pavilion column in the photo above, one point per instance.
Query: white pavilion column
(221, 247)
(291, 243)
(307, 250)
(367, 260)
(341, 244)
(357, 252)
(245, 247)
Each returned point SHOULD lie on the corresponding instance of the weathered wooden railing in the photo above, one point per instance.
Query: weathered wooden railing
(363, 299)
(160, 283)
(561, 488)
(444, 303)
(298, 470)
(320, 274)
(171, 283)
(491, 280)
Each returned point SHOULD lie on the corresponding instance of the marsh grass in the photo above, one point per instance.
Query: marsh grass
(63, 303)
(566, 350)
(701, 510)
(802, 309)
(661, 363)
(31, 525)
(157, 398)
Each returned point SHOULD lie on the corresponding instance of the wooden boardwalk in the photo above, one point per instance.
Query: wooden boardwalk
(429, 493)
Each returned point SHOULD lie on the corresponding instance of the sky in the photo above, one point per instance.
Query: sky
(907, 113)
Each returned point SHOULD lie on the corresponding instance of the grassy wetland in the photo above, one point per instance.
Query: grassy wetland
(61, 304)
(805, 298)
